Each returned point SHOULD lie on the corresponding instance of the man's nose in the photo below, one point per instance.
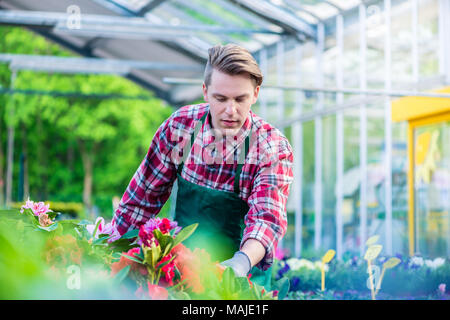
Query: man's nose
(231, 108)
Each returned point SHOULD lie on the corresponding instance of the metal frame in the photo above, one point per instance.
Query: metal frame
(339, 138)
(388, 129)
(366, 92)
(318, 129)
(85, 65)
(297, 136)
(363, 130)
(115, 27)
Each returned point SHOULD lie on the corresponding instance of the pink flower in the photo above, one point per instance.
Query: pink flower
(442, 288)
(280, 253)
(103, 228)
(157, 292)
(38, 208)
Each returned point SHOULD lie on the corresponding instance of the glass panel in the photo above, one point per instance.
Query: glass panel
(321, 10)
(400, 188)
(401, 65)
(308, 216)
(329, 183)
(432, 188)
(345, 4)
(350, 212)
(375, 34)
(428, 38)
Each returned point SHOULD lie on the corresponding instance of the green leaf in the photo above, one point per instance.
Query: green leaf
(152, 255)
(49, 228)
(185, 233)
(122, 274)
(228, 278)
(132, 258)
(372, 240)
(166, 262)
(282, 286)
(100, 240)
(391, 263)
(165, 241)
(52, 214)
(372, 252)
(130, 234)
(116, 255)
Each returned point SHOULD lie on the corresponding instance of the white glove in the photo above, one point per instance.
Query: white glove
(240, 263)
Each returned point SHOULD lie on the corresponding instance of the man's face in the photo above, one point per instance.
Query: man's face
(230, 98)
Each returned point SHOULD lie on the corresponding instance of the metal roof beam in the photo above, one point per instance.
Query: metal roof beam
(114, 27)
(86, 65)
(149, 7)
(280, 17)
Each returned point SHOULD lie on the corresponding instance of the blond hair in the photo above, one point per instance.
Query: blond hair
(233, 60)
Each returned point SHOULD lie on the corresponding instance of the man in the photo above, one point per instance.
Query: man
(233, 169)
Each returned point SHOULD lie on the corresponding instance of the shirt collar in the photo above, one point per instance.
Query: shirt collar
(208, 134)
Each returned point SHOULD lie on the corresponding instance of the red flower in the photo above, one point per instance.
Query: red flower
(156, 292)
(168, 269)
(165, 226)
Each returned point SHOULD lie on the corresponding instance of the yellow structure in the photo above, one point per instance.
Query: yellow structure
(428, 149)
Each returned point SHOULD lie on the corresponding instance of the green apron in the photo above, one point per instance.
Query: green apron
(219, 214)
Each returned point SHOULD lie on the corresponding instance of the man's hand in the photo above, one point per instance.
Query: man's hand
(240, 263)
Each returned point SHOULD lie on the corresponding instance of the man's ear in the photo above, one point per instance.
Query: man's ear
(205, 92)
(255, 94)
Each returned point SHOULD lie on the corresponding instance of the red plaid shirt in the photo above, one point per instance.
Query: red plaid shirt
(264, 184)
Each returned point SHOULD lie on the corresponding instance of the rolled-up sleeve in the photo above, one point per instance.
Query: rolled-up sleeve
(151, 184)
(266, 220)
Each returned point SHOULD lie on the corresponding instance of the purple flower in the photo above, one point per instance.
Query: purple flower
(146, 236)
(295, 281)
(441, 288)
(103, 228)
(37, 208)
(283, 270)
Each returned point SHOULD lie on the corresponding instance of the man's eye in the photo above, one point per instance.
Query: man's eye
(221, 99)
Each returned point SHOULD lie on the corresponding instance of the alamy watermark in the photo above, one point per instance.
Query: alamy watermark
(74, 17)
(74, 279)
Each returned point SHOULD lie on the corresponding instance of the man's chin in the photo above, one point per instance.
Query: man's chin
(229, 131)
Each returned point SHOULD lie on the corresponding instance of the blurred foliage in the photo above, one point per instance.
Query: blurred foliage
(37, 264)
(347, 279)
(59, 135)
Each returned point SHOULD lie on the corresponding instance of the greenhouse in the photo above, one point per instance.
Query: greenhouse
(356, 204)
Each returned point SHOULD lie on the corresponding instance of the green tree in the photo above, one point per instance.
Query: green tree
(75, 144)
